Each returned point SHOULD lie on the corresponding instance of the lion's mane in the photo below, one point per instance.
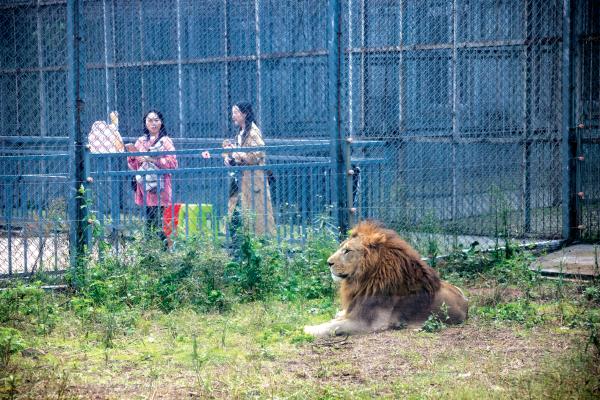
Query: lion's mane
(391, 266)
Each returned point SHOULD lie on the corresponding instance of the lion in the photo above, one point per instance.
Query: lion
(386, 285)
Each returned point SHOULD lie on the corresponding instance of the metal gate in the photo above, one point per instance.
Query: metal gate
(587, 120)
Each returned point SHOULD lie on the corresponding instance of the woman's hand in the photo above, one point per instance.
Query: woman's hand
(238, 157)
(147, 159)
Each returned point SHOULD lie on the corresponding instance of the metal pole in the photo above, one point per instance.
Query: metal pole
(455, 133)
(339, 198)
(569, 212)
(528, 142)
(75, 70)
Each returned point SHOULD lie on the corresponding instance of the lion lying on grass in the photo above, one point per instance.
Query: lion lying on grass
(385, 284)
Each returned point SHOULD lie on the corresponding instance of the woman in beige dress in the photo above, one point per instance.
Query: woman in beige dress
(249, 195)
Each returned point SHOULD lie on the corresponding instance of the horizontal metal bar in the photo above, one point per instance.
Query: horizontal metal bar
(34, 139)
(174, 62)
(45, 176)
(33, 157)
(448, 46)
(20, 70)
(32, 3)
(64, 139)
(467, 140)
(588, 38)
(224, 169)
(208, 60)
(271, 149)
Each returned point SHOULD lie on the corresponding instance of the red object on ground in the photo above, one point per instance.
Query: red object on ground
(170, 222)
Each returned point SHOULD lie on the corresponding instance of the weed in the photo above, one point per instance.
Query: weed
(436, 322)
(198, 362)
(592, 293)
(520, 311)
(592, 325)
(27, 307)
(433, 324)
(11, 342)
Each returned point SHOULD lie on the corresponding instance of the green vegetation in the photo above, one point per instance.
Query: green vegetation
(195, 323)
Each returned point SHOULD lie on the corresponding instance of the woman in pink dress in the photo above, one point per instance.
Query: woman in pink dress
(150, 187)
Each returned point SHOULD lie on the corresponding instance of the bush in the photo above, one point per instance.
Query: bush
(283, 271)
(592, 293)
(474, 263)
(520, 311)
(11, 342)
(199, 273)
(147, 277)
(27, 306)
(258, 271)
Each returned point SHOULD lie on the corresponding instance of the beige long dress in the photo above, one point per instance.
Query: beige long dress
(254, 194)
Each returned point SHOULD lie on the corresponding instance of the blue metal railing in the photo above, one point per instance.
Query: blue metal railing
(35, 191)
(299, 182)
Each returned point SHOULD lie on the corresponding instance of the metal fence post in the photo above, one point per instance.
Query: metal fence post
(86, 201)
(569, 211)
(75, 82)
(334, 96)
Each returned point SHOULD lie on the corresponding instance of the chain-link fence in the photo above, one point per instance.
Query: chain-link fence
(466, 120)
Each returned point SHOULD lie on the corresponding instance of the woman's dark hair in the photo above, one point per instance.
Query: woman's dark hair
(163, 129)
(246, 109)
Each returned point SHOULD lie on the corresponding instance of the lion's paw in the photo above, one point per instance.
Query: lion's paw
(317, 330)
(311, 330)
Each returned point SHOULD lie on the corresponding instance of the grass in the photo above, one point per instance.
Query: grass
(258, 350)
(124, 336)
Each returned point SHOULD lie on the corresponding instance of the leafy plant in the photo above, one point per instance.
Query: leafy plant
(433, 324)
(11, 342)
(436, 323)
(592, 325)
(592, 293)
(519, 311)
(23, 306)
(257, 273)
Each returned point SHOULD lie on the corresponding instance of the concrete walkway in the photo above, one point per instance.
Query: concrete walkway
(581, 261)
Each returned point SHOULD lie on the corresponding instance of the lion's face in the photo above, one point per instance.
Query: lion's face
(347, 261)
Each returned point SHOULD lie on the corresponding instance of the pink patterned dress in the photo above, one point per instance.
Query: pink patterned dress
(150, 198)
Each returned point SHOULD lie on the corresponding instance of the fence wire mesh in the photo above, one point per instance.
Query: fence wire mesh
(467, 98)
(455, 110)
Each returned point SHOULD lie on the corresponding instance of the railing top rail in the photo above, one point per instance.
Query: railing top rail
(34, 157)
(218, 150)
(181, 171)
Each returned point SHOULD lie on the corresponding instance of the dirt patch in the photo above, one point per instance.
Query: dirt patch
(490, 296)
(462, 351)
(480, 356)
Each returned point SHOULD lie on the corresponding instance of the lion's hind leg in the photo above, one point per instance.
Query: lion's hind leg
(450, 304)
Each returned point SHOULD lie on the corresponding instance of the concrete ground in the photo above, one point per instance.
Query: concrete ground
(580, 261)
